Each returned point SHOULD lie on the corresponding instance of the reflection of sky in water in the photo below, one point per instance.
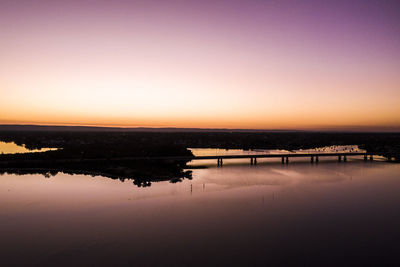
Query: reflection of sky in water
(326, 208)
(12, 148)
(329, 206)
(224, 152)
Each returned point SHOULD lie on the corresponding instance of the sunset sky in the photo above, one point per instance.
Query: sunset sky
(209, 64)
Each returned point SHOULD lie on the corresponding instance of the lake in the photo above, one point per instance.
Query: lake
(325, 214)
(12, 148)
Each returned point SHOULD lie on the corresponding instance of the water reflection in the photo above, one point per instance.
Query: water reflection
(12, 148)
(225, 152)
(173, 176)
(328, 214)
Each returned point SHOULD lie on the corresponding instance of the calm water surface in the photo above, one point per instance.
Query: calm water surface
(239, 215)
(225, 152)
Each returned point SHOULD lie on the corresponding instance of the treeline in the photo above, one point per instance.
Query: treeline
(174, 143)
(100, 153)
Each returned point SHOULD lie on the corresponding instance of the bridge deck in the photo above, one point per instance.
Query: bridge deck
(288, 155)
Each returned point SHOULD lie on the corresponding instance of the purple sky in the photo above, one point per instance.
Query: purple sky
(285, 64)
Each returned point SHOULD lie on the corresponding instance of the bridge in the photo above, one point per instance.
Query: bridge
(285, 157)
(314, 157)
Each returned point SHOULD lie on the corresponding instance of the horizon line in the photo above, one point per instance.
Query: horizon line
(365, 129)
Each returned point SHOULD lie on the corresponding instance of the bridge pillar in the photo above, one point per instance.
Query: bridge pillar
(371, 157)
(219, 162)
(287, 160)
(365, 157)
(344, 158)
(312, 159)
(251, 161)
(255, 161)
(283, 160)
(316, 159)
(339, 158)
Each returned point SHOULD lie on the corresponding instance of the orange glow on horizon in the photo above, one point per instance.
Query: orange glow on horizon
(162, 67)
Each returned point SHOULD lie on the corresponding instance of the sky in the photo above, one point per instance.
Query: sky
(206, 64)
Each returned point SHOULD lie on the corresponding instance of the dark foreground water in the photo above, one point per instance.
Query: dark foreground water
(239, 215)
